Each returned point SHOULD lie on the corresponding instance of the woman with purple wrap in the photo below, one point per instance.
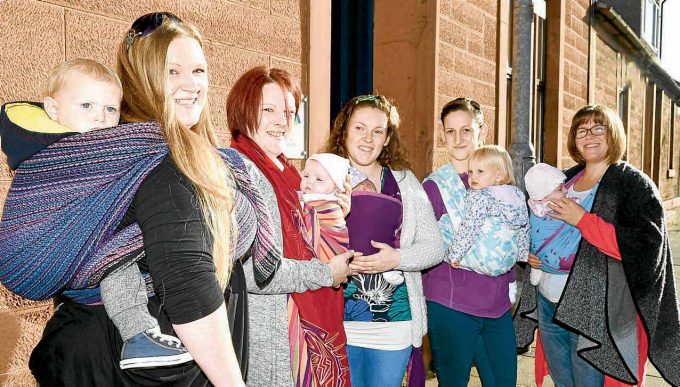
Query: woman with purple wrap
(394, 228)
(469, 315)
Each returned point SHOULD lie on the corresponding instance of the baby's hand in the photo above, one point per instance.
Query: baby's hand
(344, 198)
(455, 265)
(534, 261)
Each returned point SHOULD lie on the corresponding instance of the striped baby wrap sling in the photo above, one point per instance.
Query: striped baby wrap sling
(59, 229)
(325, 228)
(495, 250)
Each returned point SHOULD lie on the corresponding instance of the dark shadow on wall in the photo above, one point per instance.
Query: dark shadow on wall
(351, 51)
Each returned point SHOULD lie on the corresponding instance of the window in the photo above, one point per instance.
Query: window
(651, 22)
(539, 39)
(623, 97)
(508, 77)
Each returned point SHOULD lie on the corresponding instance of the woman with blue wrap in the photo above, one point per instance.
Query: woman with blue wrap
(468, 312)
(606, 299)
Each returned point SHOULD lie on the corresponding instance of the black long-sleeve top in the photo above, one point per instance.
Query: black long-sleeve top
(81, 346)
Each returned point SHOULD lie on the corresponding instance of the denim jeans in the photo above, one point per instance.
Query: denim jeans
(567, 369)
(457, 339)
(374, 367)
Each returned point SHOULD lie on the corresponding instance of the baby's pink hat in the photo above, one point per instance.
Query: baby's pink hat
(542, 179)
(336, 166)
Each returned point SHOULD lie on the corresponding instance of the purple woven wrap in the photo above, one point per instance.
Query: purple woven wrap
(58, 228)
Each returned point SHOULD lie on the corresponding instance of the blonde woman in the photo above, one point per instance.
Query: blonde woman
(185, 199)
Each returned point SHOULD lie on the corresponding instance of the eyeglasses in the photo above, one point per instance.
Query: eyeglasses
(144, 25)
(597, 130)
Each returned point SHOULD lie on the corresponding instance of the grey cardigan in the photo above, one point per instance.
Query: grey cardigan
(421, 247)
(269, 350)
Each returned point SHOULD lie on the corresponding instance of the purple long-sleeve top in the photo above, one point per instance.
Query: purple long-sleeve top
(463, 290)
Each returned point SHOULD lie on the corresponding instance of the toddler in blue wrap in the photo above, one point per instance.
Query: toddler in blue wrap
(494, 232)
(84, 95)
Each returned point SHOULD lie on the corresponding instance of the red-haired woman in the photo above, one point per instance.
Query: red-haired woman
(298, 321)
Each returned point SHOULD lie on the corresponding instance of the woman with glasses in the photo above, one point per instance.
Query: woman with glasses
(393, 226)
(469, 317)
(612, 302)
(187, 212)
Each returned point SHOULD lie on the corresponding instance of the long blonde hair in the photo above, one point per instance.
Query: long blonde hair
(96, 70)
(143, 70)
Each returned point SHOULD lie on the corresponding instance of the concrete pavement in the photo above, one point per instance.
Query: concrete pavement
(525, 369)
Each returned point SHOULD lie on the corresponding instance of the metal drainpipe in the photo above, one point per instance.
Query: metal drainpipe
(521, 149)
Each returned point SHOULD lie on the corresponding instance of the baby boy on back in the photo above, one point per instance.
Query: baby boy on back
(84, 95)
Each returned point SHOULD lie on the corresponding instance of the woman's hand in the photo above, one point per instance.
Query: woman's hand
(344, 198)
(385, 259)
(340, 268)
(534, 261)
(567, 210)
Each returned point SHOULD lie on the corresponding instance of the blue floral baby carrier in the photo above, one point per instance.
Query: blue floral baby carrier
(496, 247)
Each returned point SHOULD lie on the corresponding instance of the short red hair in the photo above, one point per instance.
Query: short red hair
(245, 98)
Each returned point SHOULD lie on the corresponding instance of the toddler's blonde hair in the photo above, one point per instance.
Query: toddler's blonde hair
(96, 70)
(497, 157)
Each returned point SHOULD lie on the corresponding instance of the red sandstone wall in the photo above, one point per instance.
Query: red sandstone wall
(467, 60)
(672, 189)
(637, 82)
(606, 91)
(37, 35)
(575, 66)
(669, 186)
(616, 70)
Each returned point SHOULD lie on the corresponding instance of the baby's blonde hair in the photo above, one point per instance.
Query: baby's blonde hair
(96, 70)
(497, 157)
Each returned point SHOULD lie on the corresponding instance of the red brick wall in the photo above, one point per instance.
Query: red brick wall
(606, 92)
(37, 35)
(575, 67)
(669, 186)
(614, 69)
(637, 84)
(467, 60)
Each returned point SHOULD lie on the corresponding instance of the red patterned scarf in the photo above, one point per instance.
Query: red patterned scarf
(316, 332)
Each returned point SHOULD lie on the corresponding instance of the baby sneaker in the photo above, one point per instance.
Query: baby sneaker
(152, 348)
